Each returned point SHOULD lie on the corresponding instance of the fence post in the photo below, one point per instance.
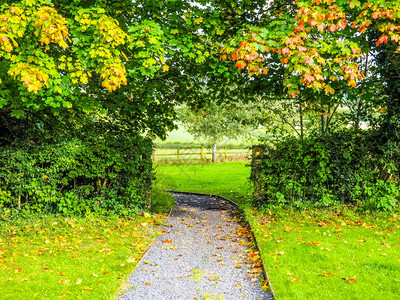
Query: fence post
(177, 153)
(225, 153)
(202, 153)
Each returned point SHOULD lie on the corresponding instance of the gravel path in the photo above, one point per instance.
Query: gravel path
(201, 255)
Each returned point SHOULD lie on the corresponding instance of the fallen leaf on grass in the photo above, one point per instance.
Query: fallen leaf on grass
(294, 280)
(315, 243)
(326, 274)
(79, 281)
(62, 281)
(352, 280)
(86, 288)
(130, 260)
(265, 283)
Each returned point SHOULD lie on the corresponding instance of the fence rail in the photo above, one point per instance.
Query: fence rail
(201, 153)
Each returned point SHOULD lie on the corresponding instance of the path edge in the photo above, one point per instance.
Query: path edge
(118, 295)
(247, 223)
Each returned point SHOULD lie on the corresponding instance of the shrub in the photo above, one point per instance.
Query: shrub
(344, 167)
(77, 175)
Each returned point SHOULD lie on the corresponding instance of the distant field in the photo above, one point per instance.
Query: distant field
(181, 137)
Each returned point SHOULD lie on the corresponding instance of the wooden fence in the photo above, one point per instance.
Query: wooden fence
(201, 153)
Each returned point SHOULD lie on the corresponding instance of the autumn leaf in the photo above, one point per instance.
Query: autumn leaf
(130, 260)
(352, 280)
(238, 266)
(167, 241)
(326, 274)
(147, 283)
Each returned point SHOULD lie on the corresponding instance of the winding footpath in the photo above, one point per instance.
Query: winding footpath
(202, 254)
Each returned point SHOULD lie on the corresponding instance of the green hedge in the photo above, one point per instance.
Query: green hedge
(344, 167)
(73, 176)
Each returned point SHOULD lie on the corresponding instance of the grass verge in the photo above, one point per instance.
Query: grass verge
(335, 253)
(75, 258)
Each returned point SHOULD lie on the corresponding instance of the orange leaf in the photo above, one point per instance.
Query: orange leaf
(167, 241)
(147, 283)
(285, 51)
(294, 280)
(315, 243)
(326, 274)
(352, 280)
(332, 28)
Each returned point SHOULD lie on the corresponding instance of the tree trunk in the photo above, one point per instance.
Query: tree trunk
(301, 123)
(214, 153)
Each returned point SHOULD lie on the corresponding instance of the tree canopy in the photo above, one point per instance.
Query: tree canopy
(137, 59)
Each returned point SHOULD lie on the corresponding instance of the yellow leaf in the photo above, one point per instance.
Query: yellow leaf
(165, 68)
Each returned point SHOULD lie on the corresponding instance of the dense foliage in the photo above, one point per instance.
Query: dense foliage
(343, 167)
(96, 165)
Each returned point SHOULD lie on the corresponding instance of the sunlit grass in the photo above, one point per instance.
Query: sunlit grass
(317, 254)
(87, 258)
(225, 179)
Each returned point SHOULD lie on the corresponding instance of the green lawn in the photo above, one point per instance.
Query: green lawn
(88, 258)
(225, 179)
(312, 253)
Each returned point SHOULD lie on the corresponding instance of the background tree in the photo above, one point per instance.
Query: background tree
(218, 122)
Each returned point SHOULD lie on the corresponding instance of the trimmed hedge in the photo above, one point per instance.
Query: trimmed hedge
(344, 167)
(111, 172)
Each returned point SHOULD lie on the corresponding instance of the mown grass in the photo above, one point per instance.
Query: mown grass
(74, 258)
(226, 179)
(310, 253)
